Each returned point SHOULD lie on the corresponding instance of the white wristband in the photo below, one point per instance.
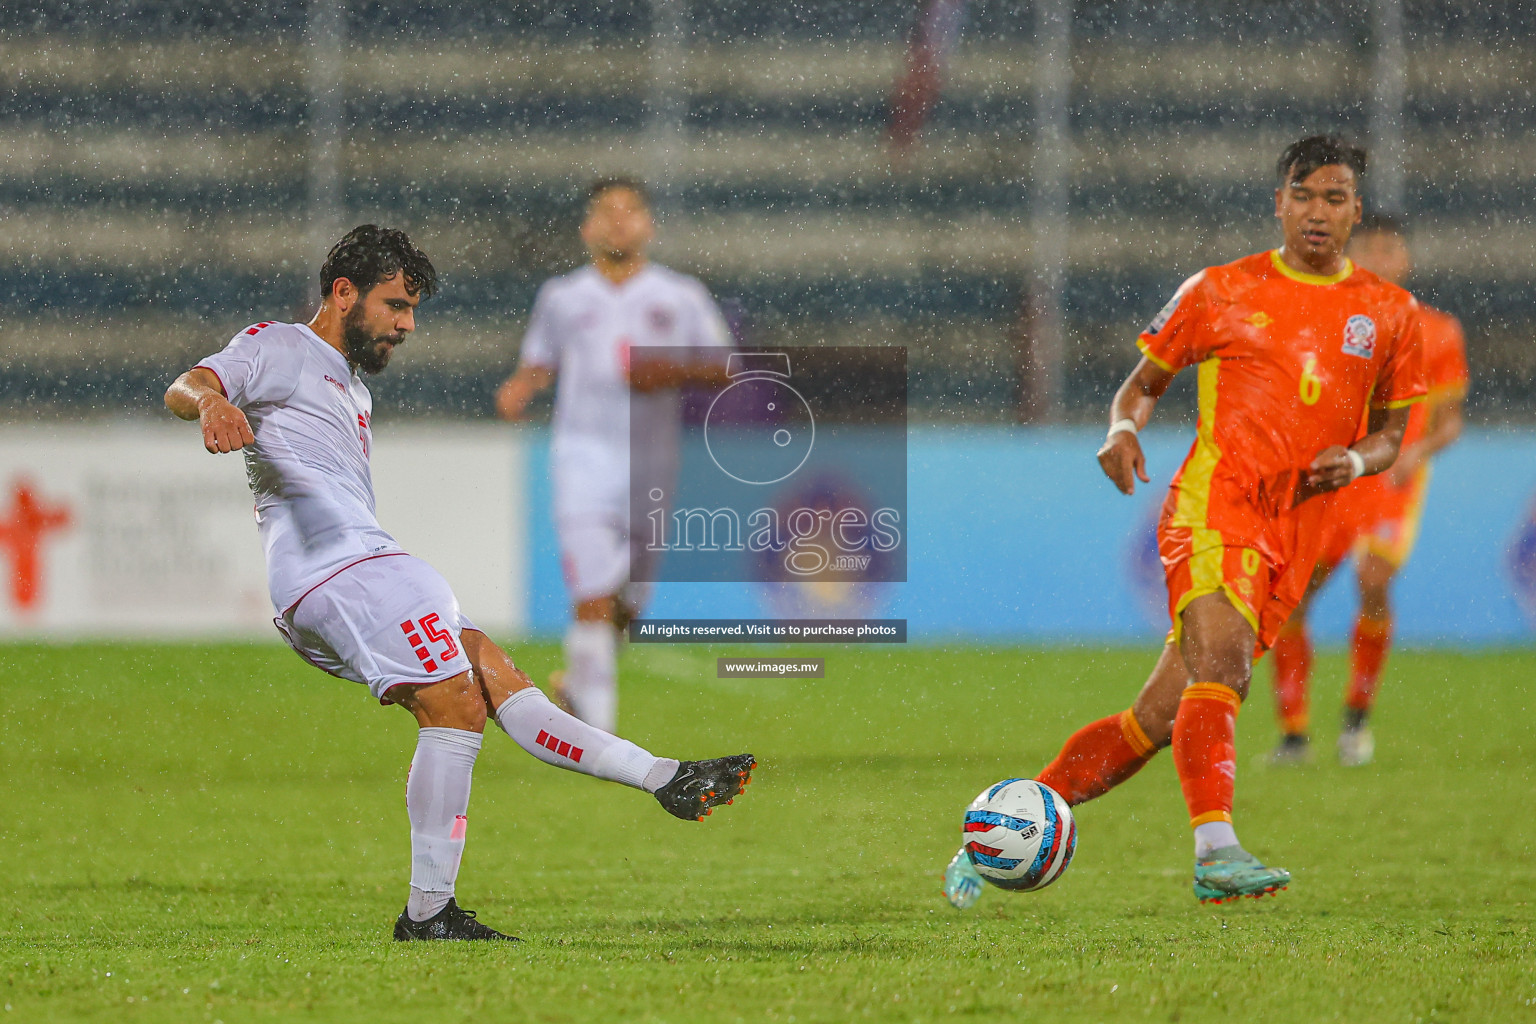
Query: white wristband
(1126, 425)
(1356, 463)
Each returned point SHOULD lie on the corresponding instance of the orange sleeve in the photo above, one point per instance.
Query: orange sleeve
(1445, 362)
(1401, 380)
(1174, 340)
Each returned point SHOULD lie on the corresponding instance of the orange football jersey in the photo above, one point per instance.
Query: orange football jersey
(1443, 351)
(1288, 363)
(1373, 501)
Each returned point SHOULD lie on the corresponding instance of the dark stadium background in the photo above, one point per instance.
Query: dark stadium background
(160, 185)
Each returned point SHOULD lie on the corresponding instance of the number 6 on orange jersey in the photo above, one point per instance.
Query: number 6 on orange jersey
(1311, 386)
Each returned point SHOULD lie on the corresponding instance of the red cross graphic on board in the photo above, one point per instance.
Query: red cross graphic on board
(23, 528)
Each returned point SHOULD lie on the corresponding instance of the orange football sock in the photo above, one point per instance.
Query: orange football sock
(1098, 757)
(1368, 652)
(1293, 670)
(1205, 750)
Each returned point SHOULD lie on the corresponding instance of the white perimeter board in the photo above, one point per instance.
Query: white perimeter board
(160, 539)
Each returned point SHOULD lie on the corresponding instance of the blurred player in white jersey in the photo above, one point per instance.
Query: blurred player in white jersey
(350, 601)
(581, 332)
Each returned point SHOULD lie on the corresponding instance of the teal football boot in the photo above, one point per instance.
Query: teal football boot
(962, 885)
(1230, 872)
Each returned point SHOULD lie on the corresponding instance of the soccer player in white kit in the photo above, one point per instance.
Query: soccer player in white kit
(350, 601)
(581, 332)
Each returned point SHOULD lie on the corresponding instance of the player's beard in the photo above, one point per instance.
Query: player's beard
(364, 349)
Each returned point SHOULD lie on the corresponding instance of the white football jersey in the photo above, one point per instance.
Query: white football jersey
(308, 469)
(582, 326)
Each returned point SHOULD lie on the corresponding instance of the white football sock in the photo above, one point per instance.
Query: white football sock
(1213, 835)
(556, 738)
(592, 673)
(437, 801)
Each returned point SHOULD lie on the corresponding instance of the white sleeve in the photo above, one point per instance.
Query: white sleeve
(258, 365)
(706, 327)
(541, 341)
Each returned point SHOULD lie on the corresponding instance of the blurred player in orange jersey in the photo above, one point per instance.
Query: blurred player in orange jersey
(1294, 348)
(1376, 520)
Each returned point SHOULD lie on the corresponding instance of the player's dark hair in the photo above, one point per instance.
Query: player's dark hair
(368, 254)
(1303, 157)
(1384, 223)
(602, 186)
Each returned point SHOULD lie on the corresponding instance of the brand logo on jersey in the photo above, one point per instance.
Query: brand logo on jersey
(1260, 320)
(338, 385)
(1164, 315)
(1360, 336)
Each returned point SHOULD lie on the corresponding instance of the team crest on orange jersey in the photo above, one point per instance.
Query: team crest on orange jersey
(1360, 336)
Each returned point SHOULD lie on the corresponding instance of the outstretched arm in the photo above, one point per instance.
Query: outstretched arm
(198, 395)
(1121, 457)
(1445, 422)
(520, 388)
(1336, 466)
(651, 374)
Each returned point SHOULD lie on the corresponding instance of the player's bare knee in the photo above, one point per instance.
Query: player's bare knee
(1375, 574)
(1156, 723)
(1158, 702)
(494, 672)
(1238, 685)
(1217, 643)
(1154, 711)
(1230, 665)
(485, 654)
(463, 706)
(455, 703)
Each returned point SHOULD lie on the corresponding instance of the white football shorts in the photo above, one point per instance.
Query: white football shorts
(597, 559)
(386, 621)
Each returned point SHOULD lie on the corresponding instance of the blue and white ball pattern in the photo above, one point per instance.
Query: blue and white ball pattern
(1020, 834)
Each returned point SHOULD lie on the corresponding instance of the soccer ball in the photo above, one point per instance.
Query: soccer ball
(1020, 834)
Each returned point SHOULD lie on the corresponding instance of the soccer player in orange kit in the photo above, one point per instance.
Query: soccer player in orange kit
(1376, 520)
(1294, 348)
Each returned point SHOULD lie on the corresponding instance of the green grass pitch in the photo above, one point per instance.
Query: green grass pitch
(217, 833)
